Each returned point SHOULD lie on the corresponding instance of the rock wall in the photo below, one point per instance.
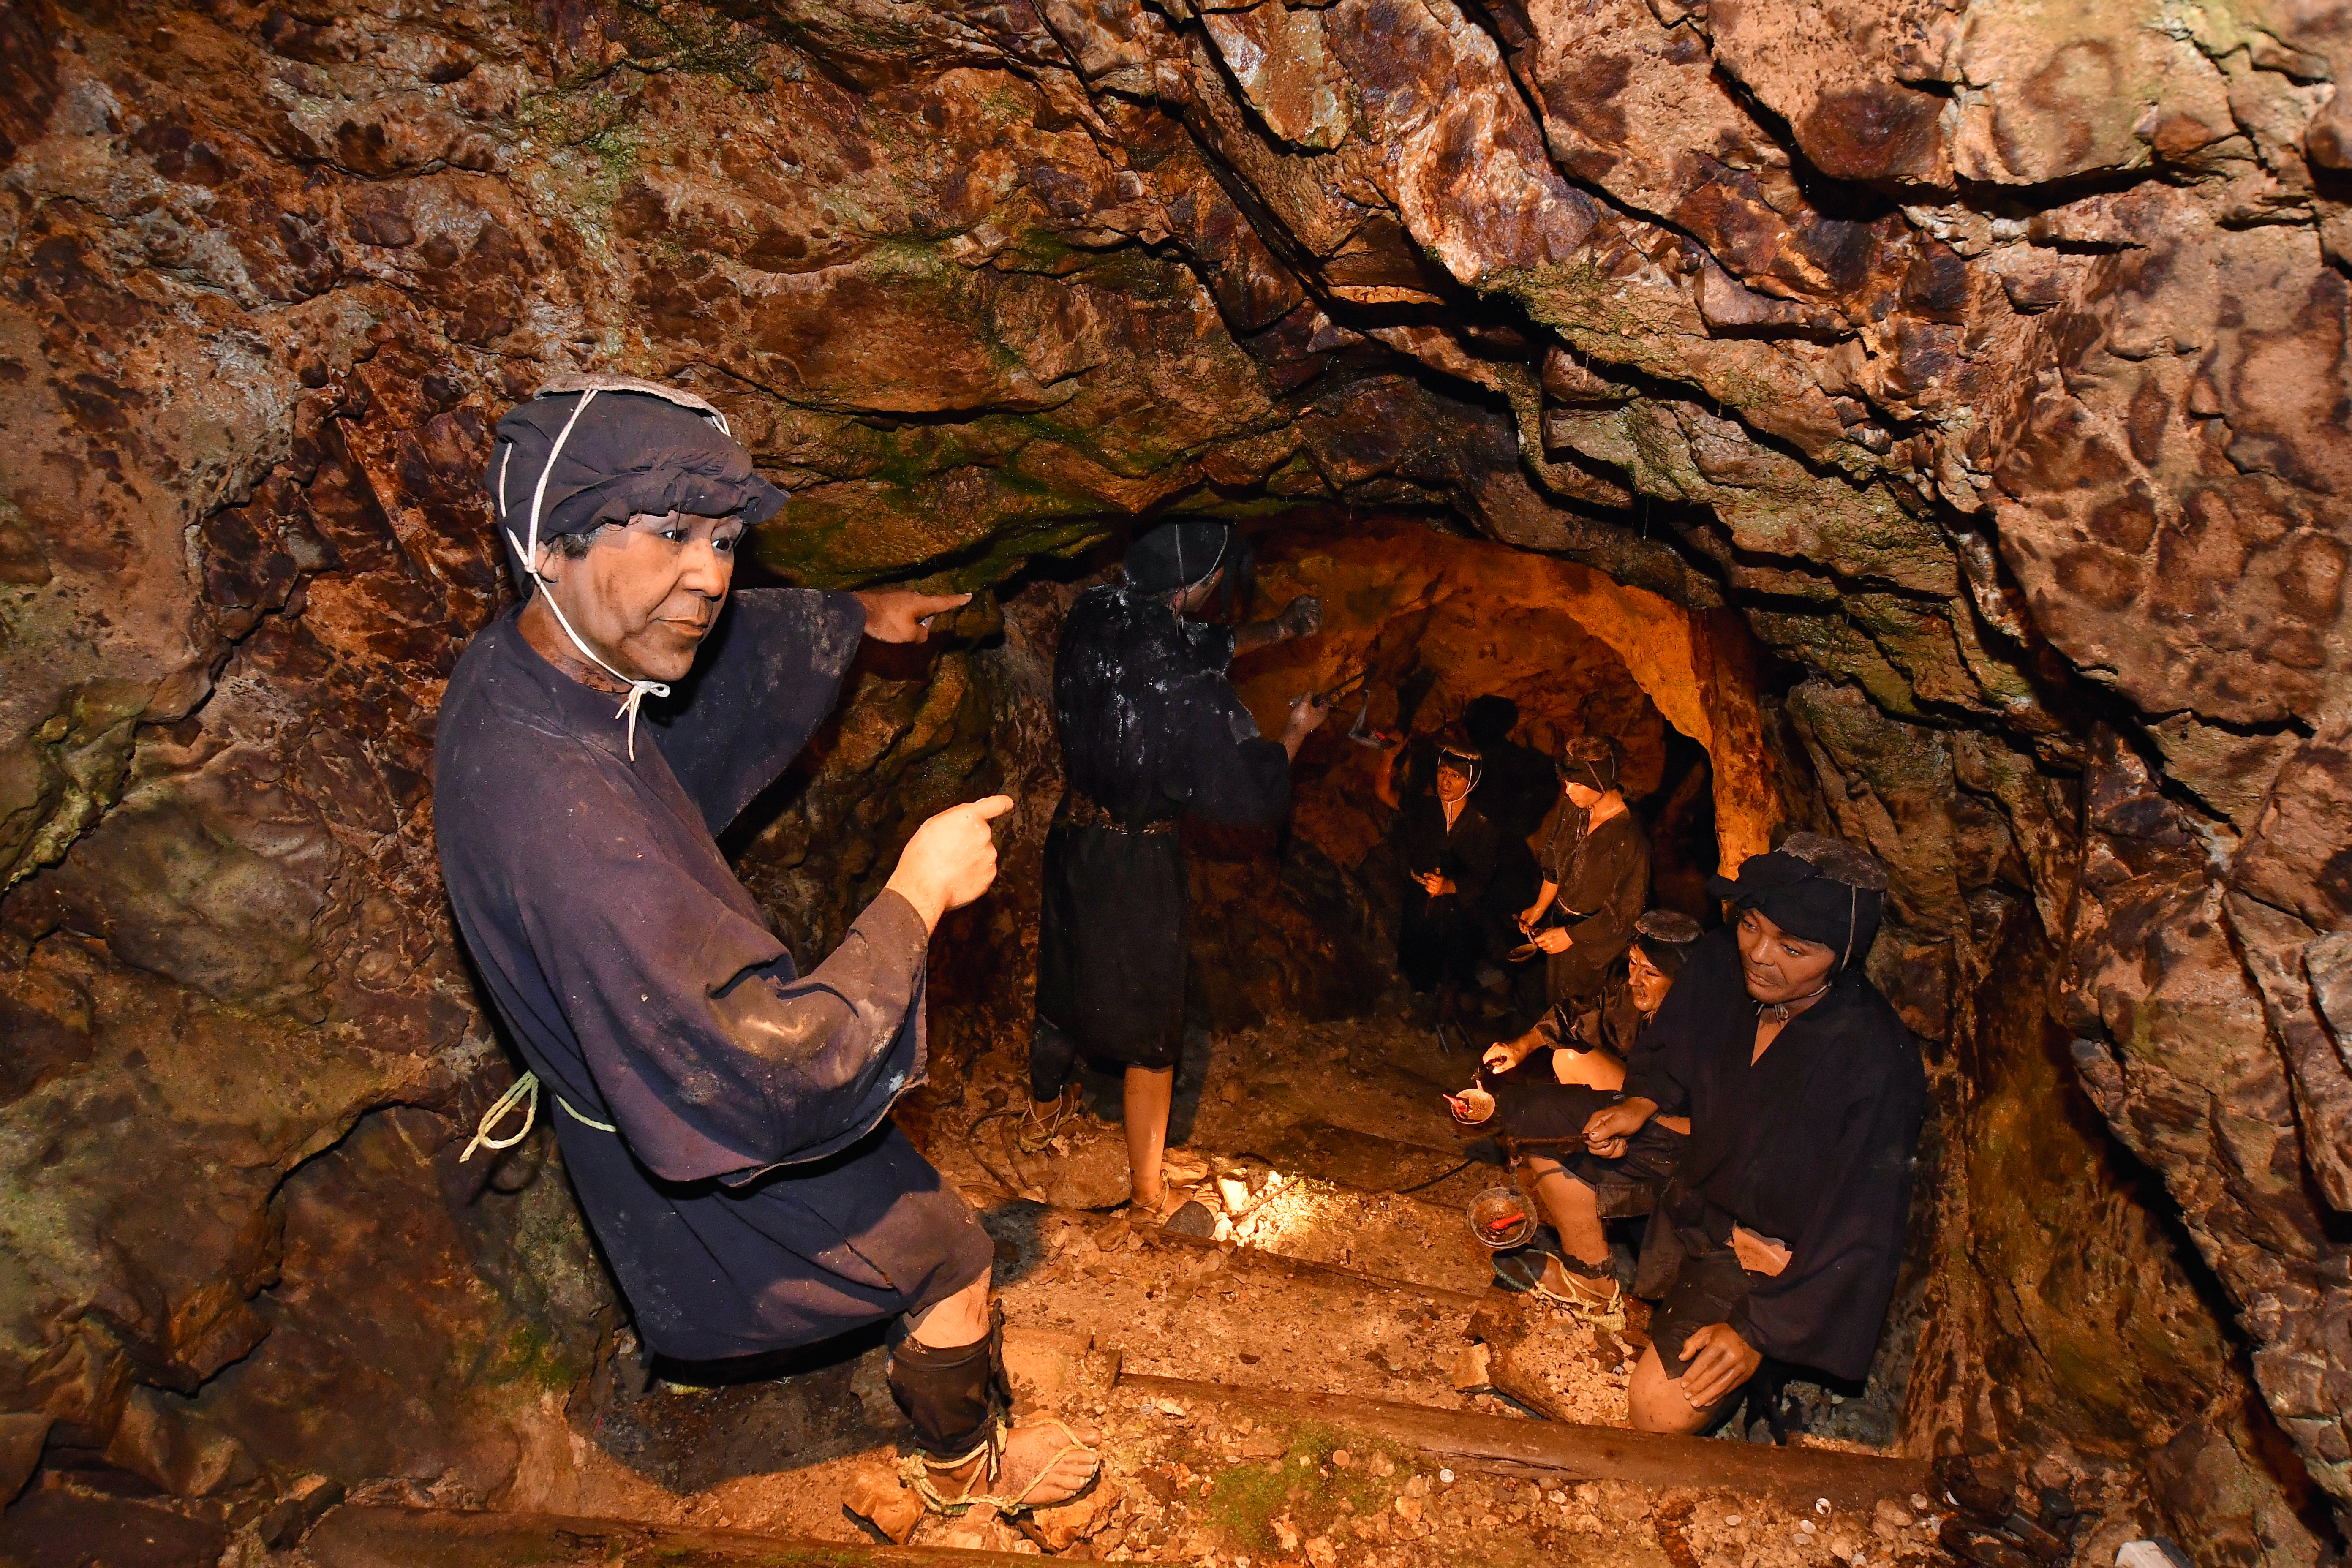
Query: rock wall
(1986, 358)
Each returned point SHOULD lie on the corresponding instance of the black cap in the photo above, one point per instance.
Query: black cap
(586, 451)
(1664, 937)
(1815, 888)
(1590, 760)
(1177, 555)
(1670, 927)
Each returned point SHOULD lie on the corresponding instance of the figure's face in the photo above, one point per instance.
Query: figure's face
(647, 593)
(1584, 797)
(1201, 596)
(1780, 967)
(1648, 983)
(1453, 783)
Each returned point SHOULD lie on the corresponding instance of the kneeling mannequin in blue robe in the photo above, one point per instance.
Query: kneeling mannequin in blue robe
(723, 1117)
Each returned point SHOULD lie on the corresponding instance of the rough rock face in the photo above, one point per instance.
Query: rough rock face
(1986, 359)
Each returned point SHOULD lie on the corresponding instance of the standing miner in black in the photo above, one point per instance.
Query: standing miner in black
(1595, 862)
(724, 1116)
(1451, 852)
(1151, 732)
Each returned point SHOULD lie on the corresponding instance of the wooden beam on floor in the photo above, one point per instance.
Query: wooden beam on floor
(359, 1536)
(354, 1536)
(1254, 1257)
(1583, 1453)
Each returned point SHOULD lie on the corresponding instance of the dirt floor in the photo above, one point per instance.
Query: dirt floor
(1317, 1275)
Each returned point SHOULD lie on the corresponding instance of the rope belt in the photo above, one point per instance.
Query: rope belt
(1078, 811)
(524, 1093)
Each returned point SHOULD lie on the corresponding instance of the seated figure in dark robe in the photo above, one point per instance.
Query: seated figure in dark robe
(1152, 732)
(1782, 1230)
(1451, 852)
(723, 1117)
(1543, 1097)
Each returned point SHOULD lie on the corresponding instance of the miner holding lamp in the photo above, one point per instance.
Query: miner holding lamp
(1544, 1104)
(723, 1117)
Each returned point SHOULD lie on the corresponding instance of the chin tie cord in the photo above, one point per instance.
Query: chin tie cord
(1779, 1012)
(529, 548)
(1190, 584)
(524, 1093)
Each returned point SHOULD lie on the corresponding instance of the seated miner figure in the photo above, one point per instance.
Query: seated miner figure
(1620, 1016)
(1595, 866)
(723, 1117)
(1546, 1099)
(1450, 852)
(1781, 1233)
(1151, 732)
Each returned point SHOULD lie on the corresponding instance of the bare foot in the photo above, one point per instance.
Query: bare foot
(1043, 1443)
(1036, 1445)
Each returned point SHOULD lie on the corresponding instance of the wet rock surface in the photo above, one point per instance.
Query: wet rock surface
(1978, 362)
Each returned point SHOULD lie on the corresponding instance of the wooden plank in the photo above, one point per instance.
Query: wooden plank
(1253, 1258)
(1585, 1453)
(353, 1536)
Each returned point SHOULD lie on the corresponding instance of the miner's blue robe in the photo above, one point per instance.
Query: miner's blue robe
(755, 1195)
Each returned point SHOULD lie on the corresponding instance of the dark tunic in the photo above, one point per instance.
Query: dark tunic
(1607, 1021)
(755, 1197)
(1213, 641)
(1814, 1144)
(1443, 939)
(1151, 732)
(1604, 884)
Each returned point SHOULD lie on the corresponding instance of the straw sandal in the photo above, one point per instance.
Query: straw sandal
(1042, 1122)
(1172, 1198)
(1607, 1310)
(922, 1473)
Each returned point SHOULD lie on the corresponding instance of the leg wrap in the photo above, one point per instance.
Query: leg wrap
(954, 1397)
(1052, 1056)
(1604, 1270)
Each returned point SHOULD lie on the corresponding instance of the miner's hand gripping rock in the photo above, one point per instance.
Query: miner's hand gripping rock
(723, 1117)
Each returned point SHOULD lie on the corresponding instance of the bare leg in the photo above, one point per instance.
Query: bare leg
(960, 1320)
(1571, 1207)
(1657, 1404)
(1147, 1094)
(1575, 1213)
(1599, 1069)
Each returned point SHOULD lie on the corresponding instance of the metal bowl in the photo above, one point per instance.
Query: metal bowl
(1501, 1219)
(1466, 1110)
